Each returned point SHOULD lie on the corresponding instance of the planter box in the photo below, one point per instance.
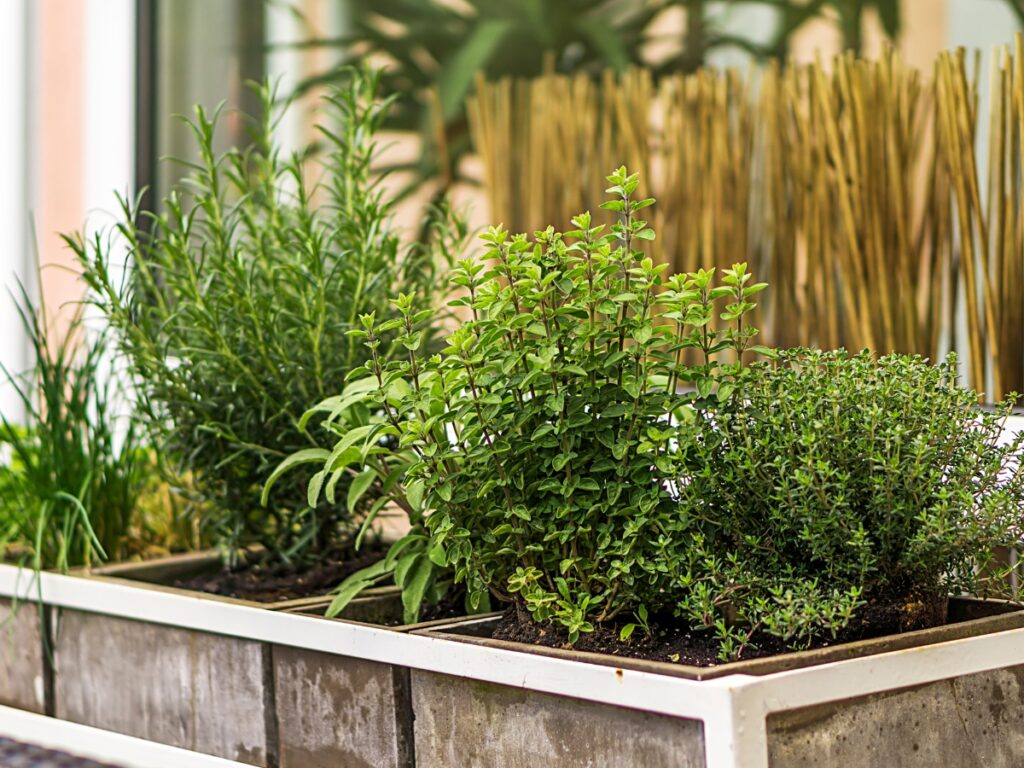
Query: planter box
(947, 692)
(24, 671)
(966, 720)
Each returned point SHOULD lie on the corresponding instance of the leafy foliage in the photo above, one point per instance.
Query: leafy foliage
(70, 476)
(238, 300)
(837, 481)
(535, 451)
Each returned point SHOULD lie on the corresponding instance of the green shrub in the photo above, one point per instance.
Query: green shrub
(838, 488)
(535, 449)
(240, 294)
(71, 474)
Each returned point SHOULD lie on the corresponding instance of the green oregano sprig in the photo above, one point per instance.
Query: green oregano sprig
(536, 454)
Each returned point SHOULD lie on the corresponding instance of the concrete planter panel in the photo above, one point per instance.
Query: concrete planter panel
(467, 722)
(261, 703)
(971, 720)
(342, 711)
(23, 663)
(179, 687)
(337, 711)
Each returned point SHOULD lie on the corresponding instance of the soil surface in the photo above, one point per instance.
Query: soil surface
(451, 606)
(700, 649)
(268, 583)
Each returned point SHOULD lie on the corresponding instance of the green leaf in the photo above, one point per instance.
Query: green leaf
(437, 556)
(313, 489)
(367, 523)
(355, 584)
(306, 456)
(414, 494)
(360, 484)
(404, 565)
(415, 585)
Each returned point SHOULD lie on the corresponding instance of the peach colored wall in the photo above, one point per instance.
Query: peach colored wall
(58, 146)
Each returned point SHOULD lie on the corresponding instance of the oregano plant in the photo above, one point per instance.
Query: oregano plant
(535, 453)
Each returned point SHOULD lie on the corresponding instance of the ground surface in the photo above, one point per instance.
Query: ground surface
(16, 754)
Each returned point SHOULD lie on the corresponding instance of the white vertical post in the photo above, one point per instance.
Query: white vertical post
(736, 731)
(14, 189)
(108, 135)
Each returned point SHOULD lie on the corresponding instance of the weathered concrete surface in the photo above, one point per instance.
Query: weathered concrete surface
(977, 720)
(22, 658)
(335, 711)
(462, 722)
(174, 686)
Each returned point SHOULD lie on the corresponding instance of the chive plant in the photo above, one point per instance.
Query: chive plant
(71, 474)
(239, 296)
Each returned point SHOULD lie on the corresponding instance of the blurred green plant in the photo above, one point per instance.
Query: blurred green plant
(71, 475)
(235, 314)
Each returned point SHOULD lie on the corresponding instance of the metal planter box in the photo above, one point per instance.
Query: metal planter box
(945, 697)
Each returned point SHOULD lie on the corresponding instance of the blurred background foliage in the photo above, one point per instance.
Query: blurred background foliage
(434, 50)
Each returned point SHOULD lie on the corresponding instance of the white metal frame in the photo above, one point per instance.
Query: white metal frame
(96, 744)
(15, 19)
(734, 709)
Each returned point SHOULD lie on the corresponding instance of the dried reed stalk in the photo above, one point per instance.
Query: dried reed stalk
(854, 188)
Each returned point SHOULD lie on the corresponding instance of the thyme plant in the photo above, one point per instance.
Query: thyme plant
(841, 491)
(237, 302)
(534, 453)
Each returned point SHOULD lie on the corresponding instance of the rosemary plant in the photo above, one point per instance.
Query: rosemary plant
(240, 295)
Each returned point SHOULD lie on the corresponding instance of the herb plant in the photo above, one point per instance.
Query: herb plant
(235, 312)
(534, 453)
(71, 475)
(841, 492)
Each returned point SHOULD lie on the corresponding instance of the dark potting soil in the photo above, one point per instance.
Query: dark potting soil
(451, 606)
(700, 649)
(268, 583)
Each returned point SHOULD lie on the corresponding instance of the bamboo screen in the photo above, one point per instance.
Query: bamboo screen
(855, 189)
